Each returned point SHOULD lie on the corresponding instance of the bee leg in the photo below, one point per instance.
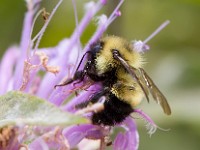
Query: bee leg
(93, 99)
(79, 75)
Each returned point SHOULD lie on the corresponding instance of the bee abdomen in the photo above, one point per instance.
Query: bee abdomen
(115, 111)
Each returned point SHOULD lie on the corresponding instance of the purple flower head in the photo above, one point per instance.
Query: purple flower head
(20, 67)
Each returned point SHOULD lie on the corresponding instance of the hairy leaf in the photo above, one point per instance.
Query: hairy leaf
(17, 108)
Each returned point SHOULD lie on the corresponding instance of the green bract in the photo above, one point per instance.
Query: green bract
(17, 108)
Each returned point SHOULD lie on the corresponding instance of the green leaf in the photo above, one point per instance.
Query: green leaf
(18, 108)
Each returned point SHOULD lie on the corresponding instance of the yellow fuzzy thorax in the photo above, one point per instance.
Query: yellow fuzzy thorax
(105, 59)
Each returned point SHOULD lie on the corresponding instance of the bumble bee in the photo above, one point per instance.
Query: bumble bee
(114, 63)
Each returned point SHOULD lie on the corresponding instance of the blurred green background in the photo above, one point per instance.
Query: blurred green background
(173, 61)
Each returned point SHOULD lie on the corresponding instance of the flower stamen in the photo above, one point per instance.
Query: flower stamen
(41, 32)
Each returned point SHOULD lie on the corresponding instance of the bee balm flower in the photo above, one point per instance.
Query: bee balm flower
(20, 67)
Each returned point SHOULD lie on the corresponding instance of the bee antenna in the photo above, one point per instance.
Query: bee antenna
(162, 26)
(88, 52)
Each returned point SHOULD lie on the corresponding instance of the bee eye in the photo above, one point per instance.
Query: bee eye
(97, 47)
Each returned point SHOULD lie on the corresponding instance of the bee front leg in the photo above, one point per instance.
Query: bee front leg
(93, 99)
(79, 75)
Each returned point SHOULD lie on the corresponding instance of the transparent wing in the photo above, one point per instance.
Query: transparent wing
(155, 92)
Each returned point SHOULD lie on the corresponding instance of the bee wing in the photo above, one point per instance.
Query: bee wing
(141, 80)
(131, 71)
(156, 93)
(145, 83)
